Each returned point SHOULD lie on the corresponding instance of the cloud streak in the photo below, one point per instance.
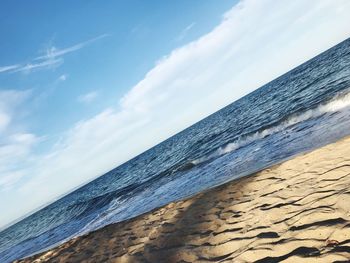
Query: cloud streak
(46, 64)
(52, 59)
(88, 97)
(54, 52)
(8, 68)
(184, 32)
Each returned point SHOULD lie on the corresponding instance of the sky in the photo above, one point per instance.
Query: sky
(86, 85)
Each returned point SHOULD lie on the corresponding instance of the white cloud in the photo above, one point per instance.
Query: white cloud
(53, 52)
(88, 97)
(7, 180)
(184, 32)
(63, 77)
(255, 42)
(47, 64)
(4, 120)
(53, 58)
(8, 68)
(15, 147)
(9, 100)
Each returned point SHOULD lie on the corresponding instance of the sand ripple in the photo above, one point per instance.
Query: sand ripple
(298, 211)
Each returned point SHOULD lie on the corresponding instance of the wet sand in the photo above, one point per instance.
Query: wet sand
(298, 211)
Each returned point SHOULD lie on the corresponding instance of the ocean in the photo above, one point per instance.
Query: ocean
(304, 109)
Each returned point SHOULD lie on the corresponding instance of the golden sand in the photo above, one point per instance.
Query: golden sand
(298, 211)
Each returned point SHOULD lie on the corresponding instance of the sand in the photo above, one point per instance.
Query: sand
(297, 211)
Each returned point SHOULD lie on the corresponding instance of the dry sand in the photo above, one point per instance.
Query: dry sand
(298, 211)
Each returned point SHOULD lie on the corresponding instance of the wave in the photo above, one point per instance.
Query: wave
(336, 104)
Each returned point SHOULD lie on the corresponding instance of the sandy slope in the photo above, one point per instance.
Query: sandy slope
(298, 211)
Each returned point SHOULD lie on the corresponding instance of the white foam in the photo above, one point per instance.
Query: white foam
(338, 103)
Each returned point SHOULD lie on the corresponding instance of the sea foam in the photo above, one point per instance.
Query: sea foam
(338, 103)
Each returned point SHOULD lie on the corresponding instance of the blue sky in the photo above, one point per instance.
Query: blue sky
(85, 85)
(133, 35)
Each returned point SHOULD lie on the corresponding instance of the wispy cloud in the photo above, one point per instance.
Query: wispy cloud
(63, 77)
(14, 149)
(184, 32)
(8, 68)
(8, 179)
(46, 64)
(53, 58)
(4, 120)
(9, 101)
(15, 145)
(88, 97)
(54, 52)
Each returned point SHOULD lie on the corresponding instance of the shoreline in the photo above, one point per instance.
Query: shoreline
(290, 212)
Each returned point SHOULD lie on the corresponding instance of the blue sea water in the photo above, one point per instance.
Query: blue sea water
(303, 109)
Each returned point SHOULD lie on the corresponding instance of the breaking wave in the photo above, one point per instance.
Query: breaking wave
(338, 103)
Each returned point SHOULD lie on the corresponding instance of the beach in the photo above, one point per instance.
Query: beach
(296, 211)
